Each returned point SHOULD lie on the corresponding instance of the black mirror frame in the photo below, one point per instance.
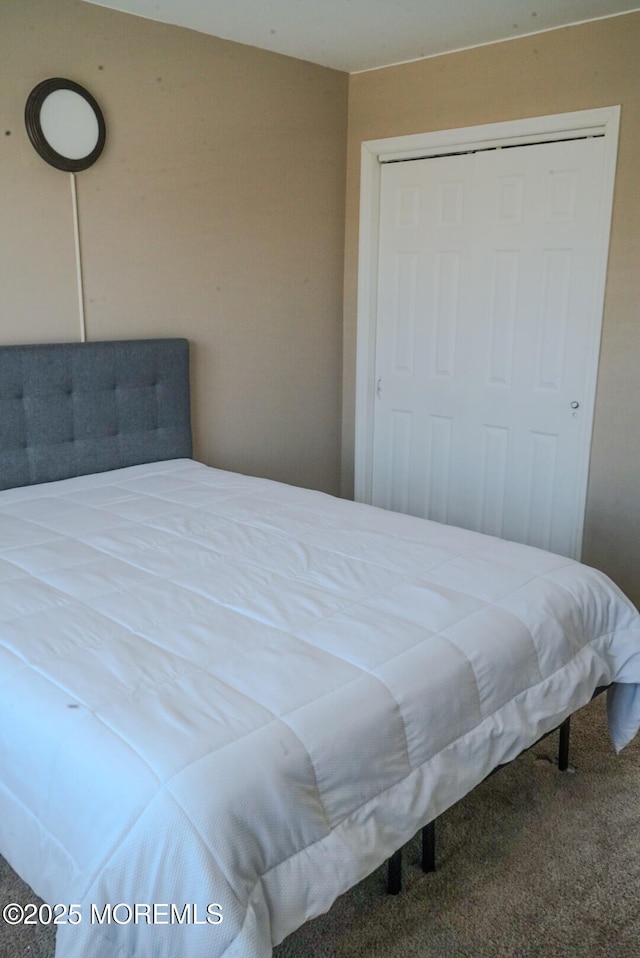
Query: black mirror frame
(32, 110)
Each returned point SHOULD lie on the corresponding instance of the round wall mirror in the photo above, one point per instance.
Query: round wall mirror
(65, 124)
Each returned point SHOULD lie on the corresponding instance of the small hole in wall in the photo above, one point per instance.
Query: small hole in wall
(7, 132)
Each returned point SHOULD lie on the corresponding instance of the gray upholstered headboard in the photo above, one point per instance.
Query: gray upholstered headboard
(69, 409)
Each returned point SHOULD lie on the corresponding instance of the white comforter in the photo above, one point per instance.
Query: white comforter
(222, 691)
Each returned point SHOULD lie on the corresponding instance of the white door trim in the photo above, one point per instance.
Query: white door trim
(603, 122)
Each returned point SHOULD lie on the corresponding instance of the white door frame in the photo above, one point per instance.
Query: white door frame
(602, 122)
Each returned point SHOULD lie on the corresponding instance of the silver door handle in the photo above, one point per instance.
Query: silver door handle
(575, 405)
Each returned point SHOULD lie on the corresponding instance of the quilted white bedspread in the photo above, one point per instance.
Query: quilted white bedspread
(223, 691)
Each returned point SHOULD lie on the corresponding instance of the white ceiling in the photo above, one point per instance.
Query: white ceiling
(355, 35)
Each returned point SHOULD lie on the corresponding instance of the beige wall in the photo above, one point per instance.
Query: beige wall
(216, 212)
(592, 65)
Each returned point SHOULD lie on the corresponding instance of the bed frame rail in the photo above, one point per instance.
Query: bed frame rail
(429, 837)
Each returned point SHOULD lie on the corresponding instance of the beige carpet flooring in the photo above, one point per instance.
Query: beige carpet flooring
(533, 864)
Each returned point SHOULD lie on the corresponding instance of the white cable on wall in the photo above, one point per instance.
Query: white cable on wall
(79, 278)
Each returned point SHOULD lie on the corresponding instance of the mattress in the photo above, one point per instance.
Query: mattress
(226, 700)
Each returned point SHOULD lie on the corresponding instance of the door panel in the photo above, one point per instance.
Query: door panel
(485, 336)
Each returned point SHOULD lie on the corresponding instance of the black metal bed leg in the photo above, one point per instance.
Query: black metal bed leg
(394, 873)
(563, 745)
(429, 847)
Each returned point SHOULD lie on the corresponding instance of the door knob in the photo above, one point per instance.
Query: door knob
(575, 405)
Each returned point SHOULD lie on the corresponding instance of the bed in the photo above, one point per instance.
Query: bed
(226, 700)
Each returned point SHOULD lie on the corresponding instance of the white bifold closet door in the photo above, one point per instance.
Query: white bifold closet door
(487, 339)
